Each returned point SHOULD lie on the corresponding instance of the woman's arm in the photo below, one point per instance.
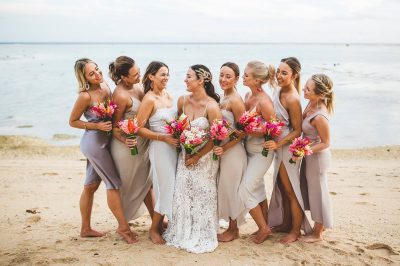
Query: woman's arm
(295, 118)
(122, 105)
(81, 104)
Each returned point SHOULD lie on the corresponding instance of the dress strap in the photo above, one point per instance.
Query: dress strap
(205, 109)
(319, 113)
(183, 106)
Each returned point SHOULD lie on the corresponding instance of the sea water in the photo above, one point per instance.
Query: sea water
(38, 86)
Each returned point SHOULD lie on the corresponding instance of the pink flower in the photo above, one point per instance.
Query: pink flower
(300, 147)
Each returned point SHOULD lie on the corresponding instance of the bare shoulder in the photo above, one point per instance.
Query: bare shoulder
(292, 99)
(148, 99)
(212, 105)
(236, 99)
(83, 97)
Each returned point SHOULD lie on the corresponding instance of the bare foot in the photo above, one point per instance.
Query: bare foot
(289, 238)
(228, 235)
(91, 233)
(165, 224)
(261, 235)
(310, 238)
(283, 228)
(127, 235)
(156, 238)
(256, 232)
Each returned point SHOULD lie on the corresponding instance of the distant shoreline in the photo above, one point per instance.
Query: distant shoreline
(194, 43)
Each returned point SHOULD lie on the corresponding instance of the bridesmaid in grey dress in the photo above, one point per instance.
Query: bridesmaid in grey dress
(157, 108)
(286, 200)
(233, 159)
(252, 189)
(95, 146)
(133, 170)
(318, 90)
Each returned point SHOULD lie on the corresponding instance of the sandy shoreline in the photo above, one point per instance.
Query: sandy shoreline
(364, 186)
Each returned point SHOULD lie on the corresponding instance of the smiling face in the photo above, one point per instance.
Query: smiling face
(191, 80)
(248, 78)
(309, 90)
(133, 75)
(160, 79)
(93, 75)
(227, 78)
(284, 75)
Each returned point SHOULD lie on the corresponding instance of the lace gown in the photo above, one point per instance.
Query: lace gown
(194, 221)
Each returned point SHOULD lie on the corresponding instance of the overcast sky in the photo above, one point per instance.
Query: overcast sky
(348, 21)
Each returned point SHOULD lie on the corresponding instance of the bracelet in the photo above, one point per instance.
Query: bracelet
(84, 125)
(158, 136)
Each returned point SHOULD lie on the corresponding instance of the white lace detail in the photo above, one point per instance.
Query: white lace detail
(194, 222)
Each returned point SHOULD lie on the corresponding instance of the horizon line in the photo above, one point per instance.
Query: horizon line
(204, 43)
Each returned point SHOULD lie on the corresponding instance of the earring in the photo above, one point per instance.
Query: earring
(87, 86)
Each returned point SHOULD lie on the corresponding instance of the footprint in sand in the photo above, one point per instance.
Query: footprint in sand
(382, 246)
(50, 173)
(363, 194)
(33, 219)
(333, 193)
(67, 260)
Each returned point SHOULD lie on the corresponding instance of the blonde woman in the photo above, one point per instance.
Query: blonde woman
(252, 188)
(318, 90)
(94, 145)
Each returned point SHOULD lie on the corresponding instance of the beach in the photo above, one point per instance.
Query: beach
(40, 219)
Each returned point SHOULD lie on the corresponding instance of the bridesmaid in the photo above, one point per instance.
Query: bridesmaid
(233, 159)
(286, 175)
(133, 170)
(318, 90)
(94, 145)
(252, 188)
(157, 107)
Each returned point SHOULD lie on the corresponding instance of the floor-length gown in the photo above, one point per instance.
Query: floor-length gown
(232, 167)
(252, 189)
(163, 158)
(283, 155)
(194, 223)
(313, 176)
(133, 170)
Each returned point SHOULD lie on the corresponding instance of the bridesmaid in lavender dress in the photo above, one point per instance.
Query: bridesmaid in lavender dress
(133, 170)
(95, 147)
(286, 200)
(318, 90)
(157, 108)
(233, 158)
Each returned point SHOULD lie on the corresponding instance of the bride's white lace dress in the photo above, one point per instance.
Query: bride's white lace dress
(194, 222)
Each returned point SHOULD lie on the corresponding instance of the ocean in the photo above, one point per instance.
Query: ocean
(38, 86)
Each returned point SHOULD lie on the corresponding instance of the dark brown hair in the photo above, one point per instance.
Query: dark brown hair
(120, 67)
(295, 66)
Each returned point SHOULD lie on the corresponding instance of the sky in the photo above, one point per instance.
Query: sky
(315, 21)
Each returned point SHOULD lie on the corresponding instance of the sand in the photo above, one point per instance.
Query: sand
(40, 220)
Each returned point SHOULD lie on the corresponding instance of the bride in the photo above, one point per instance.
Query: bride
(194, 222)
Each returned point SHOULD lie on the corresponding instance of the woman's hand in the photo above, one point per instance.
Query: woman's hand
(130, 142)
(104, 126)
(192, 160)
(240, 133)
(218, 150)
(270, 145)
(169, 140)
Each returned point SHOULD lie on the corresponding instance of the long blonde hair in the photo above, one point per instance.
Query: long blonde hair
(324, 89)
(263, 72)
(79, 68)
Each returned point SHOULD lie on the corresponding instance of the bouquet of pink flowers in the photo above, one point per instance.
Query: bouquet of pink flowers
(175, 127)
(300, 147)
(249, 122)
(104, 110)
(272, 129)
(191, 138)
(219, 130)
(130, 127)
